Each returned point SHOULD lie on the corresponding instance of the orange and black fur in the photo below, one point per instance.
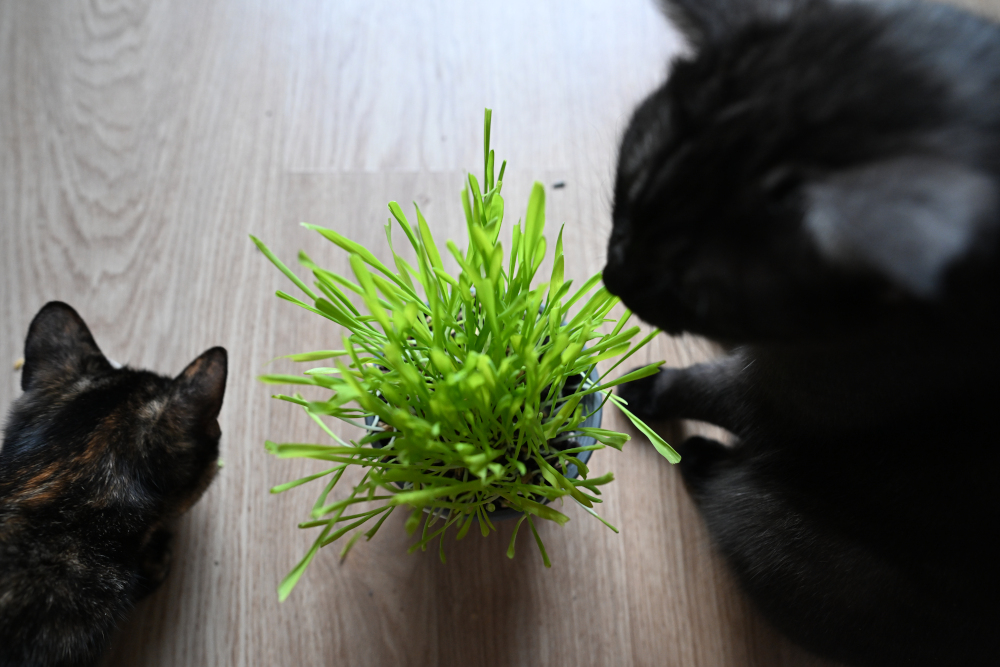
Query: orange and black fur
(96, 463)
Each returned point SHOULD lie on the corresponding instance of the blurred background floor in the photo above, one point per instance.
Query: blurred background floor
(140, 142)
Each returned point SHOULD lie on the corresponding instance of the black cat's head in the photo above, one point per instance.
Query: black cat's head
(86, 434)
(810, 165)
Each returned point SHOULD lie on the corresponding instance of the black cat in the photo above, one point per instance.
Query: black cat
(817, 186)
(96, 463)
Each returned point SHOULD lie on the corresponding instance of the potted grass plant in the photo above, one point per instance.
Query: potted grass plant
(475, 391)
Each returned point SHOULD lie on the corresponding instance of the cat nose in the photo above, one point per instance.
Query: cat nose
(610, 278)
(620, 239)
(616, 254)
(615, 274)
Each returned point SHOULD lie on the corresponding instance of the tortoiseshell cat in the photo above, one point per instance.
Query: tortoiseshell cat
(96, 463)
(817, 186)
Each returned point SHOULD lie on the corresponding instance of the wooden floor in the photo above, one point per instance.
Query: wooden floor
(140, 142)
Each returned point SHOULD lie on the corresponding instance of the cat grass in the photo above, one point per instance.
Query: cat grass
(466, 385)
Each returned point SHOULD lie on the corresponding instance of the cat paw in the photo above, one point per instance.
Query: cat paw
(645, 397)
(700, 459)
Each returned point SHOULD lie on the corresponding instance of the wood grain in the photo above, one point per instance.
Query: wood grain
(141, 141)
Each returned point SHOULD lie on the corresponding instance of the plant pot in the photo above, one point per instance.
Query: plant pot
(589, 403)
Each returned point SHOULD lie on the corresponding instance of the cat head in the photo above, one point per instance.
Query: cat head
(87, 432)
(809, 166)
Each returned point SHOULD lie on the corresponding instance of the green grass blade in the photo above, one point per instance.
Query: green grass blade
(513, 537)
(538, 541)
(284, 269)
(292, 578)
(659, 443)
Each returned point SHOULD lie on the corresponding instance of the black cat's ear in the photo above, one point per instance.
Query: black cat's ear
(198, 390)
(59, 348)
(907, 219)
(704, 21)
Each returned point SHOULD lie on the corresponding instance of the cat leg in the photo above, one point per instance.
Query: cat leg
(828, 591)
(701, 459)
(710, 392)
(154, 561)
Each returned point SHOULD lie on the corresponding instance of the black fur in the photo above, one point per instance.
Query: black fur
(95, 465)
(817, 187)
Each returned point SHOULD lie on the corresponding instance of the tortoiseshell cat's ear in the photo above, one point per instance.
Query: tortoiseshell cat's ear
(59, 348)
(704, 21)
(199, 389)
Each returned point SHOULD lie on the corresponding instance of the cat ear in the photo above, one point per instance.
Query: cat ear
(59, 347)
(704, 21)
(198, 390)
(908, 219)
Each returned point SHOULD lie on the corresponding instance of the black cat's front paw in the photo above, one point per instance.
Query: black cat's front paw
(700, 460)
(648, 398)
